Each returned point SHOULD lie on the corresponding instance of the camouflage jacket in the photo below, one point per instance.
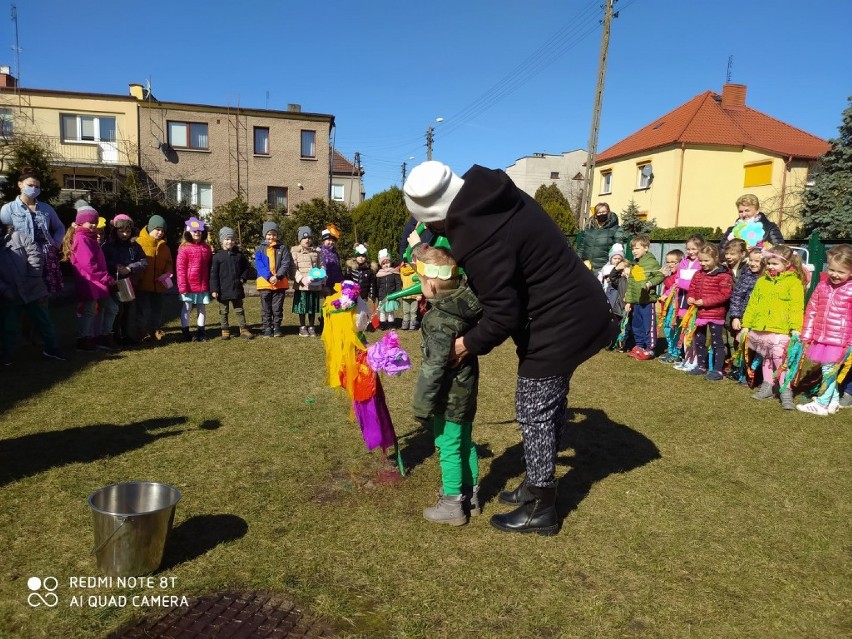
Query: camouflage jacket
(441, 389)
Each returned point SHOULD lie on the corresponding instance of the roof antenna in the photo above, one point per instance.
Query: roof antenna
(730, 67)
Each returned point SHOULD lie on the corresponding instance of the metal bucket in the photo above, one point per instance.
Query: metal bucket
(132, 521)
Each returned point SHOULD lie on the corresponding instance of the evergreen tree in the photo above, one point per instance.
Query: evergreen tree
(827, 205)
(24, 151)
(554, 202)
(247, 221)
(378, 221)
(632, 223)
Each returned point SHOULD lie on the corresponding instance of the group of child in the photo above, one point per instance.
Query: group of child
(200, 275)
(750, 299)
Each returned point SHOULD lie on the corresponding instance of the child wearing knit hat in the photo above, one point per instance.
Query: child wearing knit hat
(306, 290)
(273, 264)
(125, 260)
(193, 278)
(92, 281)
(154, 280)
(228, 273)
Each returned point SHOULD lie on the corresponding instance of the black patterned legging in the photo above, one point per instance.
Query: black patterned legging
(541, 405)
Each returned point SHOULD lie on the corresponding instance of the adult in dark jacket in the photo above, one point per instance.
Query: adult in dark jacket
(748, 209)
(533, 289)
(229, 271)
(599, 237)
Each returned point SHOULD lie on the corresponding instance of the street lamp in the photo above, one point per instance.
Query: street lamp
(430, 137)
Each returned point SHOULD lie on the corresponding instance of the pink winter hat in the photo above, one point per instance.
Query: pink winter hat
(122, 220)
(85, 213)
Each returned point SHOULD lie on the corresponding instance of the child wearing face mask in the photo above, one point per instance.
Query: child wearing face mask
(710, 291)
(775, 312)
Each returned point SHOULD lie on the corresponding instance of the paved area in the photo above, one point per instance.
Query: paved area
(245, 615)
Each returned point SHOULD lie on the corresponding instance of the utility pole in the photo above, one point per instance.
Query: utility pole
(429, 139)
(596, 113)
(404, 167)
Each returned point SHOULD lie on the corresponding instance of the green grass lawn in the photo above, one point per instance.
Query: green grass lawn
(690, 509)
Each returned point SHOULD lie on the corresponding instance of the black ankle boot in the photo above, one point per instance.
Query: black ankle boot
(186, 335)
(201, 334)
(520, 495)
(537, 515)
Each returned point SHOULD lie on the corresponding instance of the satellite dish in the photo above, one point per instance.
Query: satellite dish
(648, 171)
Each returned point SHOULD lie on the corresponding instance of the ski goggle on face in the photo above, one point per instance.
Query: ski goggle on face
(435, 271)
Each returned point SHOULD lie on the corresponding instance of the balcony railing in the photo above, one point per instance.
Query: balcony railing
(85, 153)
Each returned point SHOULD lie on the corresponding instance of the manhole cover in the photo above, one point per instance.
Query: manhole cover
(248, 615)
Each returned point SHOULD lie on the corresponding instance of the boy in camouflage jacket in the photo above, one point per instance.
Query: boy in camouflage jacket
(445, 396)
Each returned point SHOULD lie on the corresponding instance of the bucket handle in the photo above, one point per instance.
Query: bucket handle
(123, 520)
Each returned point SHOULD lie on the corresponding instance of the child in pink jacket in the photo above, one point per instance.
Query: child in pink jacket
(92, 281)
(827, 329)
(194, 258)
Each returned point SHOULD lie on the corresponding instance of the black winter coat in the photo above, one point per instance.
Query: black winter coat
(363, 277)
(771, 233)
(532, 286)
(742, 291)
(228, 272)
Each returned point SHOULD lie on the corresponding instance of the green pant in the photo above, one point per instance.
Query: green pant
(457, 454)
(10, 321)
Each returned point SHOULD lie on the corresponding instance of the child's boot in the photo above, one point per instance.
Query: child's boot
(764, 392)
(471, 501)
(448, 510)
(405, 325)
(200, 334)
(187, 337)
(226, 332)
(244, 331)
(787, 402)
(845, 401)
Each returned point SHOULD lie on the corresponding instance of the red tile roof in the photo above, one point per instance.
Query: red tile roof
(341, 166)
(724, 120)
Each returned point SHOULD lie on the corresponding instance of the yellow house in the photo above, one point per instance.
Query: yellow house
(93, 138)
(688, 167)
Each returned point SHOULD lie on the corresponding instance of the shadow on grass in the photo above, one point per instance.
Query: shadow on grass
(601, 447)
(198, 535)
(32, 454)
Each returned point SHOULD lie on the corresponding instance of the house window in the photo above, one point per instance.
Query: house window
(554, 175)
(261, 140)
(758, 174)
(606, 182)
(197, 194)
(87, 128)
(337, 192)
(644, 175)
(6, 125)
(188, 135)
(309, 144)
(276, 198)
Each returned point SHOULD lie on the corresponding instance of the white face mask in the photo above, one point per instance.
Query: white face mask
(31, 191)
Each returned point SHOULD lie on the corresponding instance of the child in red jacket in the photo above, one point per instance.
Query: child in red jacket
(710, 291)
(194, 257)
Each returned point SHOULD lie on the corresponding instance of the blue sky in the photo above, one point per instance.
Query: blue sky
(509, 78)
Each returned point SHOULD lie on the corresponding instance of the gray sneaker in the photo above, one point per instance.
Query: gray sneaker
(311, 332)
(764, 392)
(303, 332)
(447, 510)
(846, 401)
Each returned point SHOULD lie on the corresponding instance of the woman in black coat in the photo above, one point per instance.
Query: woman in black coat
(748, 209)
(532, 288)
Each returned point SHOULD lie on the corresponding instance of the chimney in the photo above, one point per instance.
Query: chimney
(294, 108)
(7, 80)
(137, 91)
(733, 97)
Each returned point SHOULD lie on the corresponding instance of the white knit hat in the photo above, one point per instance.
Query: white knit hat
(383, 255)
(617, 249)
(430, 189)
